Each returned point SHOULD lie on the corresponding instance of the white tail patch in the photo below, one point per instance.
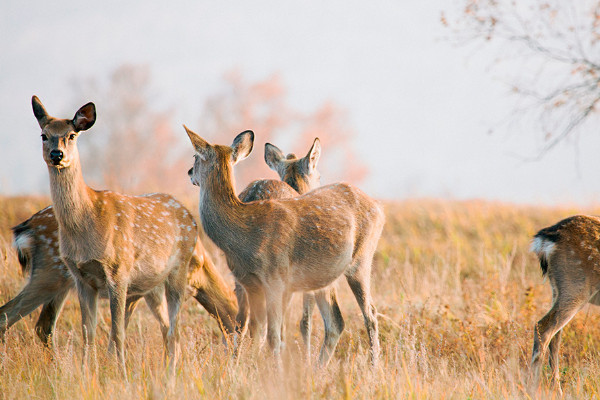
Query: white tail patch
(541, 246)
(23, 242)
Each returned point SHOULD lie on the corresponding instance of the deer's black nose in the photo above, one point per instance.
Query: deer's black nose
(56, 156)
(191, 171)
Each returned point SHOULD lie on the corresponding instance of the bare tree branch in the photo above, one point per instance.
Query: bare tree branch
(557, 43)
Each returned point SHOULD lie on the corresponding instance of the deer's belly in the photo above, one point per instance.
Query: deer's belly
(151, 271)
(319, 273)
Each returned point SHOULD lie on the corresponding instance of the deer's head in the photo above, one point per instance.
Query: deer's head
(300, 173)
(209, 157)
(59, 136)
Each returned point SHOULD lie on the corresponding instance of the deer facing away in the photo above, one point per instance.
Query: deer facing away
(277, 247)
(125, 245)
(36, 242)
(298, 176)
(569, 254)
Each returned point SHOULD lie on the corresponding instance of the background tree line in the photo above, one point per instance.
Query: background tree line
(136, 147)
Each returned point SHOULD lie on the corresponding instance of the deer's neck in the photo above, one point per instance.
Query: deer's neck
(224, 217)
(71, 197)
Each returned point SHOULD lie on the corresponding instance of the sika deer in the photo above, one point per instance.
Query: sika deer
(36, 242)
(569, 254)
(277, 247)
(129, 246)
(301, 175)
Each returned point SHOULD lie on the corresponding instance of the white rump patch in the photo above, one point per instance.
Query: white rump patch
(542, 246)
(22, 241)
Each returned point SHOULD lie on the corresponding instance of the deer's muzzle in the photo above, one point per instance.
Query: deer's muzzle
(56, 156)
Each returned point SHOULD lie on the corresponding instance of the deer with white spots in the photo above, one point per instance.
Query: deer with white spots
(277, 247)
(36, 242)
(129, 246)
(569, 254)
(298, 176)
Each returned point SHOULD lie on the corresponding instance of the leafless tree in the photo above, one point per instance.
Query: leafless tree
(555, 46)
(263, 107)
(149, 155)
(152, 154)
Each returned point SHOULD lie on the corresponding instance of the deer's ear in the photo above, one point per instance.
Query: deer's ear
(85, 117)
(312, 158)
(242, 146)
(39, 111)
(200, 145)
(273, 156)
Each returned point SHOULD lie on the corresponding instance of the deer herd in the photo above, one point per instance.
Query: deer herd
(278, 237)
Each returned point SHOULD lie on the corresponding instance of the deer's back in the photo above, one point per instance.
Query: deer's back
(576, 245)
(265, 189)
(322, 231)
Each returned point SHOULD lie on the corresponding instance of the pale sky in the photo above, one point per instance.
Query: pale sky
(421, 108)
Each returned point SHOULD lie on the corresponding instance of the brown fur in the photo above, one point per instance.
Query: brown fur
(569, 254)
(258, 190)
(277, 247)
(36, 242)
(298, 176)
(132, 247)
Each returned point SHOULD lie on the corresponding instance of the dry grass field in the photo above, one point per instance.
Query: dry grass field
(458, 291)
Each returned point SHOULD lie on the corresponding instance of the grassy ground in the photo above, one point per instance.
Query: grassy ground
(458, 293)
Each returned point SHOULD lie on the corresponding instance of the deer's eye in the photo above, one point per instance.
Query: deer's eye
(44, 137)
(72, 136)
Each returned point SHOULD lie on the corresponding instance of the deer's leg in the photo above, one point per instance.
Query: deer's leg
(308, 304)
(36, 292)
(130, 305)
(20, 306)
(88, 303)
(332, 321)
(274, 301)
(243, 312)
(258, 314)
(174, 291)
(48, 316)
(554, 348)
(285, 305)
(360, 283)
(117, 294)
(562, 311)
(241, 319)
(158, 306)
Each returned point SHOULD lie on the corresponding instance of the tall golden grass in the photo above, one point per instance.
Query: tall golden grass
(458, 294)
